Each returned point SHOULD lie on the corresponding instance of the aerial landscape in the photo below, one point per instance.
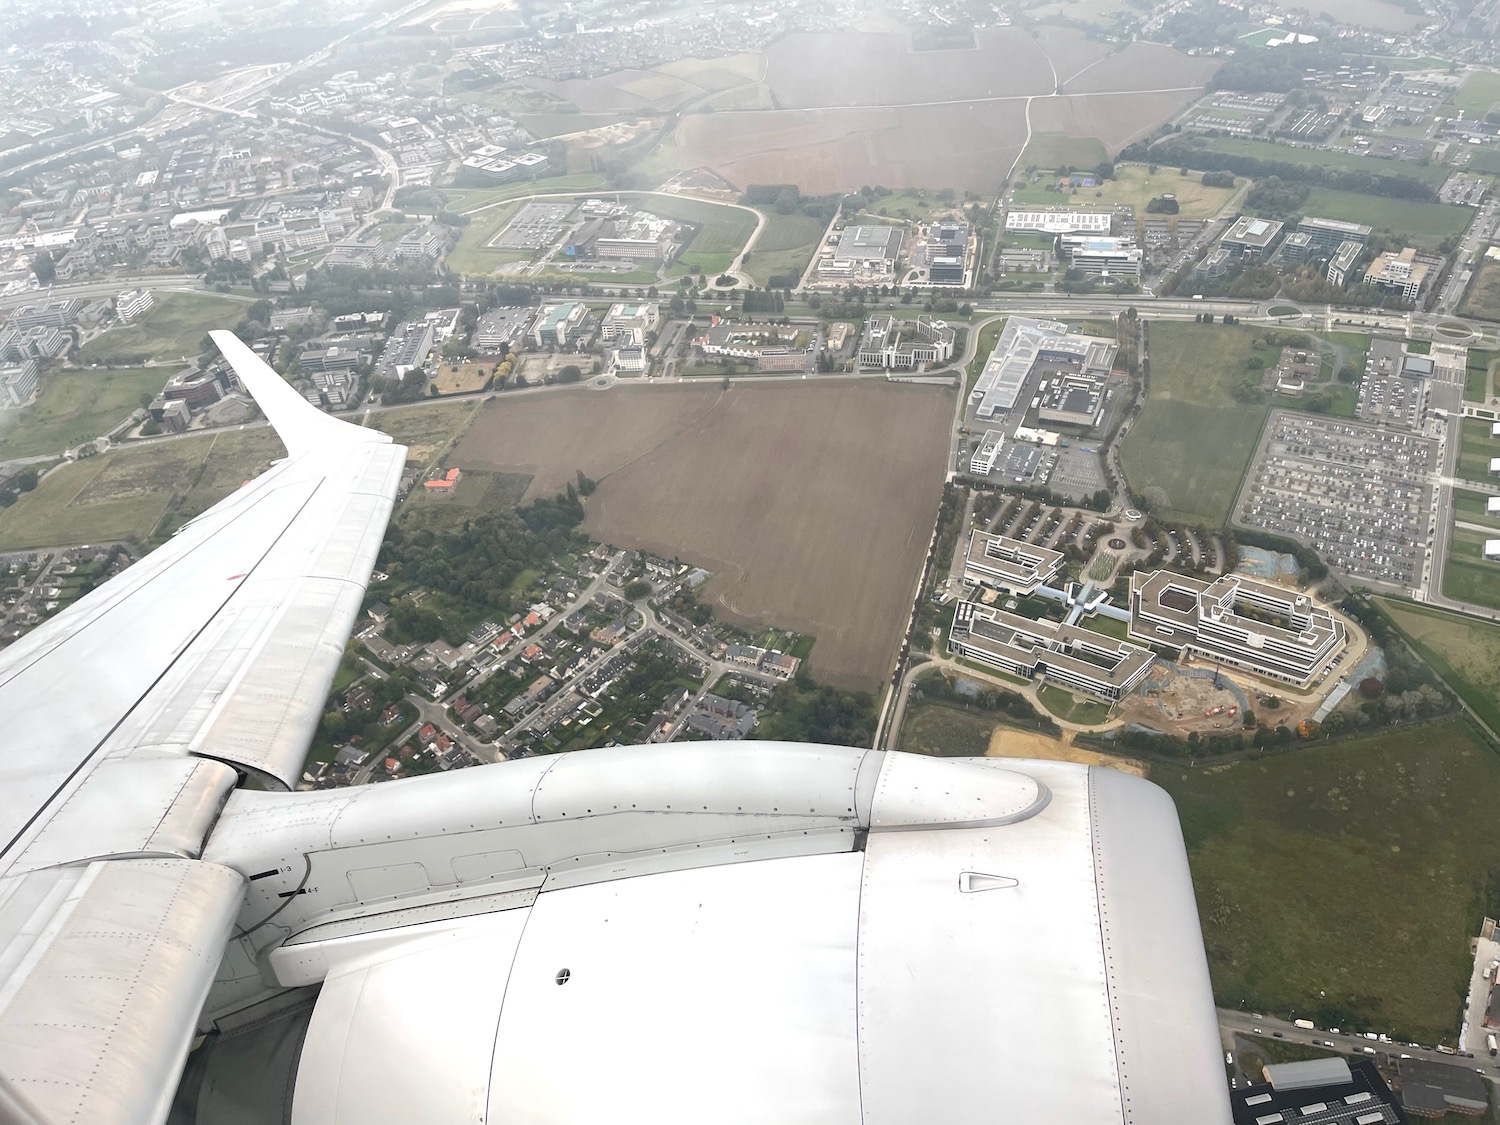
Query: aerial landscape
(1062, 384)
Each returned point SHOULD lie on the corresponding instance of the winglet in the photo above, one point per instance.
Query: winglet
(300, 425)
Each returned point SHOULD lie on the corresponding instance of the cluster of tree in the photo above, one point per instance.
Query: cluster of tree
(1218, 179)
(400, 288)
(1278, 71)
(1164, 204)
(803, 711)
(787, 199)
(1184, 152)
(1275, 198)
(473, 566)
(363, 722)
(763, 300)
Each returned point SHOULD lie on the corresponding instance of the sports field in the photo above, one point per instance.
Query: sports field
(811, 503)
(172, 331)
(785, 246)
(1426, 223)
(76, 406)
(1344, 880)
(1464, 650)
(1190, 447)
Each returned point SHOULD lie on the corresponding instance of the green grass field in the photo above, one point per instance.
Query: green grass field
(75, 406)
(1480, 91)
(1482, 298)
(722, 231)
(1465, 651)
(1193, 441)
(785, 246)
(1471, 508)
(1477, 379)
(1070, 707)
(908, 203)
(1134, 186)
(1467, 574)
(933, 728)
(1355, 344)
(1323, 158)
(1058, 150)
(1475, 449)
(1427, 223)
(172, 330)
(1320, 873)
(987, 337)
(464, 200)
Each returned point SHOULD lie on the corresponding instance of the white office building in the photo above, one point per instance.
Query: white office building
(1002, 563)
(1074, 657)
(133, 303)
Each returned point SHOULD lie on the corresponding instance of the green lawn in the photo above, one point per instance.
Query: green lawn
(1467, 574)
(1193, 441)
(1355, 344)
(1465, 651)
(464, 200)
(987, 337)
(173, 329)
(75, 406)
(1134, 186)
(721, 234)
(1108, 626)
(932, 728)
(1475, 450)
(1324, 158)
(473, 253)
(1477, 377)
(1344, 880)
(1471, 508)
(1422, 222)
(1480, 91)
(1070, 707)
(785, 246)
(909, 203)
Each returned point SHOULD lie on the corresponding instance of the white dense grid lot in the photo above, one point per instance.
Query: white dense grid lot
(1357, 494)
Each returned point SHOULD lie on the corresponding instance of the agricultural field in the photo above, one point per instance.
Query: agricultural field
(1479, 93)
(74, 407)
(1193, 442)
(1425, 223)
(785, 246)
(1134, 186)
(935, 728)
(1482, 298)
(1297, 858)
(1465, 651)
(1475, 449)
(773, 487)
(133, 493)
(171, 331)
(1114, 118)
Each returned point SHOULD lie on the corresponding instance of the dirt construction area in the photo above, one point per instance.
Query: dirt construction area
(812, 503)
(1007, 742)
(1184, 700)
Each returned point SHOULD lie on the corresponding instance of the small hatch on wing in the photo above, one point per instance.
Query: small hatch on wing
(971, 881)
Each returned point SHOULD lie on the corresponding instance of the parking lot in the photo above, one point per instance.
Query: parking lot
(1391, 399)
(1357, 494)
(1077, 473)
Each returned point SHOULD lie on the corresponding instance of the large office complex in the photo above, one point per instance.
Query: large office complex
(561, 325)
(1326, 235)
(1065, 654)
(1025, 343)
(864, 251)
(18, 383)
(1059, 222)
(947, 252)
(889, 343)
(1252, 237)
(1002, 563)
(1263, 629)
(1102, 256)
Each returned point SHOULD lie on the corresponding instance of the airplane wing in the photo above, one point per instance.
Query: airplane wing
(129, 718)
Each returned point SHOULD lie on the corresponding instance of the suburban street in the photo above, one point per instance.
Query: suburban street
(1349, 1041)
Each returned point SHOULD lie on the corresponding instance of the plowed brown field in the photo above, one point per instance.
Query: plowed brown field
(812, 503)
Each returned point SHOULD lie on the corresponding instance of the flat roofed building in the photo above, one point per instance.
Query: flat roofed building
(1495, 429)
(1327, 234)
(1297, 246)
(1263, 629)
(1065, 654)
(133, 303)
(1431, 1089)
(1354, 1094)
(982, 463)
(561, 325)
(1002, 563)
(1492, 549)
(1023, 344)
(865, 250)
(1495, 465)
(1399, 273)
(1059, 222)
(1252, 237)
(1073, 400)
(1341, 265)
(629, 322)
(1100, 256)
(1492, 506)
(889, 343)
(18, 383)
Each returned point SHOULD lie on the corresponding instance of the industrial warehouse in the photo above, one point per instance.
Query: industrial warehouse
(1027, 345)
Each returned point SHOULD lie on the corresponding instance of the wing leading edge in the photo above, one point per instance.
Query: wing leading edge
(131, 716)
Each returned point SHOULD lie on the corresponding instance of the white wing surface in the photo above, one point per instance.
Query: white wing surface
(129, 718)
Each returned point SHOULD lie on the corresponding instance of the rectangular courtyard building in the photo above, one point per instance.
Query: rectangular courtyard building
(1002, 563)
(1264, 629)
(1076, 658)
(889, 343)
